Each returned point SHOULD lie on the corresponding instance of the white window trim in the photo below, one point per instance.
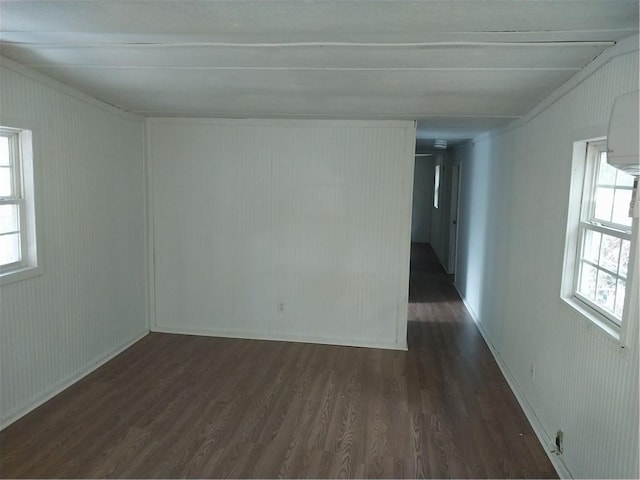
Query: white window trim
(30, 264)
(621, 334)
(586, 215)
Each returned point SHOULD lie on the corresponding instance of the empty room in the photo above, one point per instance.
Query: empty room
(319, 239)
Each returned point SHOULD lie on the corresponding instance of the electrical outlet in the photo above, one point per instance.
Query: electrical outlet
(280, 307)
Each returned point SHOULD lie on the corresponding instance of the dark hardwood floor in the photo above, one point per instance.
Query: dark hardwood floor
(185, 406)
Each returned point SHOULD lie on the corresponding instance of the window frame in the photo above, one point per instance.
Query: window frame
(16, 198)
(23, 195)
(588, 222)
(581, 171)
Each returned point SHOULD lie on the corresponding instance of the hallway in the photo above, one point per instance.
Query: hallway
(464, 398)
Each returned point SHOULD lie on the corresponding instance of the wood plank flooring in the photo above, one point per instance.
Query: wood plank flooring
(179, 406)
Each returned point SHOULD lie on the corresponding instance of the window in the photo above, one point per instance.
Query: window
(436, 187)
(17, 205)
(603, 241)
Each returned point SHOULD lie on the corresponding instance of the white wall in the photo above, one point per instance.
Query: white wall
(313, 215)
(422, 199)
(90, 300)
(513, 207)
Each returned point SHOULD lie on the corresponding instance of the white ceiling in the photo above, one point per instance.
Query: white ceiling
(459, 67)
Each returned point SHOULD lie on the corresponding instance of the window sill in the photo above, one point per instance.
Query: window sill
(19, 274)
(594, 318)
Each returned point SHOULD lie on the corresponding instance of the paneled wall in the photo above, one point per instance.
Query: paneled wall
(513, 209)
(89, 302)
(294, 230)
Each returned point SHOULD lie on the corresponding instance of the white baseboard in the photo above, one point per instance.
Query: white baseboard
(280, 337)
(544, 439)
(67, 382)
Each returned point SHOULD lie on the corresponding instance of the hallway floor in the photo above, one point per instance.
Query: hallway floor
(462, 389)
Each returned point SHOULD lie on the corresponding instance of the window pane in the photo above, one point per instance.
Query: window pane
(620, 297)
(624, 258)
(604, 203)
(588, 281)
(5, 182)
(8, 218)
(591, 245)
(9, 248)
(4, 151)
(624, 179)
(436, 187)
(610, 252)
(606, 291)
(621, 202)
(606, 173)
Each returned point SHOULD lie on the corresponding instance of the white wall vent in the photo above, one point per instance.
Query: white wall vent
(622, 139)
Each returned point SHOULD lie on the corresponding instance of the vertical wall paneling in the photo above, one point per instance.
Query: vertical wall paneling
(89, 302)
(513, 206)
(282, 229)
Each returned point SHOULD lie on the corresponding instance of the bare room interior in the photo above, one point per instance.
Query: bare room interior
(319, 239)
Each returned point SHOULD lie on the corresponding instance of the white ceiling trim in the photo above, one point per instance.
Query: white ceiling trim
(372, 116)
(72, 38)
(569, 43)
(329, 69)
